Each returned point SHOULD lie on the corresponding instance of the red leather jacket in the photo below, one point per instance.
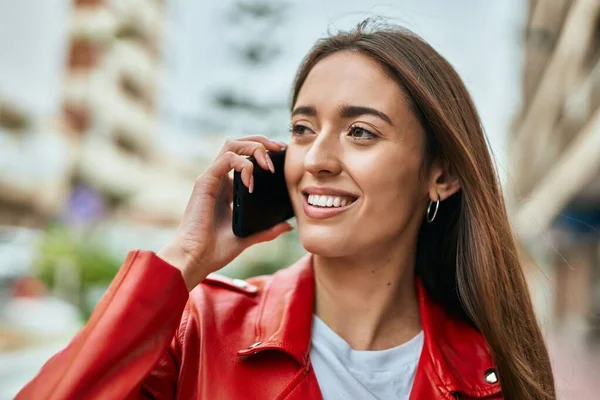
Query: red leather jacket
(232, 339)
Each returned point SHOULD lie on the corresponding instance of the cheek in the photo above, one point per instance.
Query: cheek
(294, 165)
(392, 190)
(291, 164)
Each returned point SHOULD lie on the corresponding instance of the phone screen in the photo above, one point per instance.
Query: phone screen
(269, 203)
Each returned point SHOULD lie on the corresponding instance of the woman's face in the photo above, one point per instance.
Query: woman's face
(353, 166)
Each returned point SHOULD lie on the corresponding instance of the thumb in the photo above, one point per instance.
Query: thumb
(269, 234)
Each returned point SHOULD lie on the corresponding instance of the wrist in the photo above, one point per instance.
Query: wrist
(184, 262)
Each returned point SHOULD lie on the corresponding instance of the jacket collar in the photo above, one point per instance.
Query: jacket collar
(454, 354)
(285, 315)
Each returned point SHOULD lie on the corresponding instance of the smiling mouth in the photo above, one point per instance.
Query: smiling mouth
(324, 201)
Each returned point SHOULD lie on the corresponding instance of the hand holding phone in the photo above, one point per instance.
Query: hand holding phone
(203, 241)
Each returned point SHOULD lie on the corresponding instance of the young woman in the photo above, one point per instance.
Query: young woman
(411, 288)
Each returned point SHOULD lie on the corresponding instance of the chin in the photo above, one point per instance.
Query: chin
(325, 241)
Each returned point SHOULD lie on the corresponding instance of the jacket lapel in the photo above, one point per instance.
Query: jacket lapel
(455, 357)
(284, 324)
(285, 317)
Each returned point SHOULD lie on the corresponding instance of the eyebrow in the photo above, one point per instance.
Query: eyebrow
(309, 111)
(346, 111)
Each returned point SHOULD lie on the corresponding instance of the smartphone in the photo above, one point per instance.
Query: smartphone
(269, 203)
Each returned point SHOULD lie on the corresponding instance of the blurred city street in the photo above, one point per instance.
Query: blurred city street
(109, 109)
(576, 368)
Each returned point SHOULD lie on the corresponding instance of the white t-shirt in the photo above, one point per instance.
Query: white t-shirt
(344, 373)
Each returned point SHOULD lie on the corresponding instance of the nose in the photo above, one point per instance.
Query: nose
(323, 157)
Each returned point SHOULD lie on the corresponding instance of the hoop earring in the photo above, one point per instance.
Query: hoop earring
(437, 206)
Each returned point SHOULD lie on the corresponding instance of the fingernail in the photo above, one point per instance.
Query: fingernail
(251, 187)
(282, 144)
(271, 166)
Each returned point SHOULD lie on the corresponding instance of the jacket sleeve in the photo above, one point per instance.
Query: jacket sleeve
(128, 348)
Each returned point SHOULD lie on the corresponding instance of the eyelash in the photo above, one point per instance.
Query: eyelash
(294, 129)
(372, 136)
(299, 130)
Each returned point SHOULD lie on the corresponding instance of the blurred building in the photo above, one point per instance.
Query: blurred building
(555, 152)
(101, 131)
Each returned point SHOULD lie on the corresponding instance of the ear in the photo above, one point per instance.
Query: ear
(443, 181)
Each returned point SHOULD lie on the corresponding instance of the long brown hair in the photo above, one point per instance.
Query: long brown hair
(467, 258)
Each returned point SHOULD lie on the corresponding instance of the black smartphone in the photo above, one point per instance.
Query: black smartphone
(268, 204)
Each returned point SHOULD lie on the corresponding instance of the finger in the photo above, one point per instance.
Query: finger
(269, 234)
(228, 161)
(270, 144)
(226, 190)
(250, 148)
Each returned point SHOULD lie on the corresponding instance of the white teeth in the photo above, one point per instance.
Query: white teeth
(328, 201)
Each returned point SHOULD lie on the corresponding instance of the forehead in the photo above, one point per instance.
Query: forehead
(348, 77)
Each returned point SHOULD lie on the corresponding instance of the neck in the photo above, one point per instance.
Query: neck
(369, 300)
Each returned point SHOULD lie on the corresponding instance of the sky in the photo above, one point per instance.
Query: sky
(33, 48)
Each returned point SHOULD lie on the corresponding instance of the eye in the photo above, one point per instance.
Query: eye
(358, 133)
(300, 130)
